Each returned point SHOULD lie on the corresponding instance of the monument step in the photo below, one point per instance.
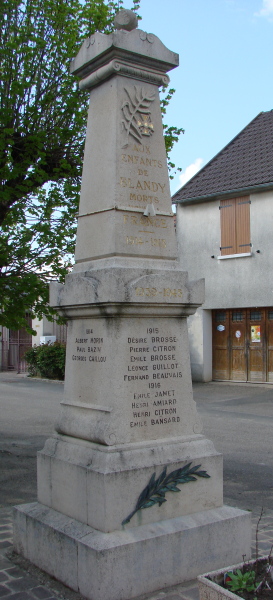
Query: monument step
(119, 565)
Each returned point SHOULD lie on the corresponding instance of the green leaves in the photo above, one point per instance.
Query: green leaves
(47, 360)
(171, 133)
(154, 492)
(42, 130)
(239, 582)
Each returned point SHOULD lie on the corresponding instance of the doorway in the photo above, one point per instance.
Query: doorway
(242, 341)
(19, 341)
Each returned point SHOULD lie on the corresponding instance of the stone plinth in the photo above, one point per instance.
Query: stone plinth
(126, 564)
(130, 492)
(99, 485)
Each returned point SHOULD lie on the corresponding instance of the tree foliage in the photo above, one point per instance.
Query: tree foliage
(42, 132)
(171, 133)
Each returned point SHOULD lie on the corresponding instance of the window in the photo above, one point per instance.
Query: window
(237, 315)
(220, 316)
(255, 315)
(235, 226)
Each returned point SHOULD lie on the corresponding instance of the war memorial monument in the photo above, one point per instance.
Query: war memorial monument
(130, 493)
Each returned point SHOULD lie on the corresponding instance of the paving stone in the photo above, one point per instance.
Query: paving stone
(41, 592)
(5, 527)
(22, 584)
(5, 563)
(264, 546)
(4, 591)
(173, 597)
(19, 596)
(15, 572)
(5, 544)
(191, 594)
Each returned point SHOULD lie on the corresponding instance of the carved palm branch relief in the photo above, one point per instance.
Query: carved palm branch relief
(137, 115)
(154, 492)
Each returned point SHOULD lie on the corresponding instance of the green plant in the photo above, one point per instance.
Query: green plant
(241, 582)
(47, 361)
(31, 358)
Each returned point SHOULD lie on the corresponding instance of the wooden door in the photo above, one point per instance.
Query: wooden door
(229, 361)
(269, 339)
(256, 344)
(243, 344)
(237, 345)
(220, 345)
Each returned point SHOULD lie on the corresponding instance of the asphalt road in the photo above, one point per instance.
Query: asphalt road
(239, 420)
(237, 417)
(28, 410)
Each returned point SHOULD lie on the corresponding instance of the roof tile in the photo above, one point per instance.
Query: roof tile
(245, 162)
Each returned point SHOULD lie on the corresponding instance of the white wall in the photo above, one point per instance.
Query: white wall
(200, 339)
(230, 283)
(37, 325)
(43, 327)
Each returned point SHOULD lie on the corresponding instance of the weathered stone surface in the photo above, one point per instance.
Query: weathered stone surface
(115, 198)
(137, 48)
(125, 401)
(100, 485)
(126, 564)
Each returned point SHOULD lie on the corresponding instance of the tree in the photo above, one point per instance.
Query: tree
(42, 132)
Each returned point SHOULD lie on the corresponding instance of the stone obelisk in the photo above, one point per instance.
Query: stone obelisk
(110, 521)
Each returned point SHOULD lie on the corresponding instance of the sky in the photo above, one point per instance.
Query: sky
(225, 77)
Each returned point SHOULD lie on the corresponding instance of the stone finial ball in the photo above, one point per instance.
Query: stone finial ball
(126, 19)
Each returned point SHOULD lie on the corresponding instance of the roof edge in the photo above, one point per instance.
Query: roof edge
(262, 187)
(220, 152)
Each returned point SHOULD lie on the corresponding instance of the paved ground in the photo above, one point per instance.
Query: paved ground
(238, 418)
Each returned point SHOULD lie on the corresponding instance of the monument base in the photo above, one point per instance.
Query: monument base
(99, 485)
(125, 564)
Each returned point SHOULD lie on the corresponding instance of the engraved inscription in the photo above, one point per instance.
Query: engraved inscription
(135, 159)
(140, 221)
(152, 369)
(144, 183)
(147, 226)
(151, 359)
(165, 292)
(151, 186)
(89, 349)
(133, 240)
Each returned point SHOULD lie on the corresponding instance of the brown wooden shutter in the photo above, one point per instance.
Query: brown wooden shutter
(243, 225)
(235, 225)
(228, 231)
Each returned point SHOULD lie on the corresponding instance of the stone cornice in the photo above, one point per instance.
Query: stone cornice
(115, 67)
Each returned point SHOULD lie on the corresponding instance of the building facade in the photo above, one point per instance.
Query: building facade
(14, 344)
(225, 234)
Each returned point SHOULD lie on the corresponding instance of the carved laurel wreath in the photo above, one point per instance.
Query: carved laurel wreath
(133, 110)
(154, 492)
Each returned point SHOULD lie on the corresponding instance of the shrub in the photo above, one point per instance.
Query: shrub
(47, 361)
